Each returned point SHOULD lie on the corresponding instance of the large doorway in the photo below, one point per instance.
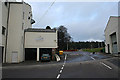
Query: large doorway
(108, 46)
(114, 43)
(1, 54)
(45, 51)
(31, 54)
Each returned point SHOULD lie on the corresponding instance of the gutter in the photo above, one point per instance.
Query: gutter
(6, 34)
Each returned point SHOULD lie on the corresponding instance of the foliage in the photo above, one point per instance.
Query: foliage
(85, 45)
(63, 38)
(48, 27)
(93, 50)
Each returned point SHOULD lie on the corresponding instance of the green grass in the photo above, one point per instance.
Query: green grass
(93, 50)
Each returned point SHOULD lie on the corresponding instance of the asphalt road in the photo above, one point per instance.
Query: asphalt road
(73, 65)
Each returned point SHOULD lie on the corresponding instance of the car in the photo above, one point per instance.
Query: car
(45, 57)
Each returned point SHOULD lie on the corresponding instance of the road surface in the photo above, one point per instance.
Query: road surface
(76, 65)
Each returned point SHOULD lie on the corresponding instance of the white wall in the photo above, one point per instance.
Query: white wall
(15, 42)
(110, 29)
(4, 21)
(40, 40)
(119, 34)
(0, 23)
(14, 31)
(27, 13)
(0, 38)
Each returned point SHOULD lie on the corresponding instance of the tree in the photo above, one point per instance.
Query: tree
(63, 38)
(48, 27)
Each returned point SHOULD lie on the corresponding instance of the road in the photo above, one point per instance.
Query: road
(73, 65)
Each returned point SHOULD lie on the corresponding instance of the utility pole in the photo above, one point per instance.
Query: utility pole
(67, 45)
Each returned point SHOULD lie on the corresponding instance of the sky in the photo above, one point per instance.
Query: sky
(85, 21)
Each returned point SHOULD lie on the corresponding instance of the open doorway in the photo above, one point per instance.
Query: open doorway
(45, 51)
(30, 54)
(114, 43)
(108, 46)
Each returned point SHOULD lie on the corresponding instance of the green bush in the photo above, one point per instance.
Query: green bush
(93, 50)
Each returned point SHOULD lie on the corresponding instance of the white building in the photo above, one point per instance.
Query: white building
(0, 31)
(16, 16)
(112, 36)
(18, 38)
(39, 41)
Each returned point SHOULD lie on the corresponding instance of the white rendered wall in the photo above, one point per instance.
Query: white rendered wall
(111, 28)
(40, 40)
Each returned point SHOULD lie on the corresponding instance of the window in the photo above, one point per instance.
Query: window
(28, 17)
(5, 3)
(3, 30)
(22, 26)
(23, 15)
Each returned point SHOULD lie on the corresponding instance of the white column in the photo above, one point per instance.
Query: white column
(37, 54)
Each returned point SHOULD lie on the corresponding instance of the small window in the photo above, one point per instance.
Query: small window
(28, 17)
(23, 15)
(5, 3)
(3, 30)
(115, 43)
(22, 26)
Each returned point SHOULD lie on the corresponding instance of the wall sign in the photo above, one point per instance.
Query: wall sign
(39, 39)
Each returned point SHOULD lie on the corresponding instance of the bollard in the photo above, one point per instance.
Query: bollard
(60, 52)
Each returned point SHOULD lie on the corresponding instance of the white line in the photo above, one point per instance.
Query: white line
(65, 56)
(58, 76)
(93, 58)
(106, 65)
(91, 53)
(62, 67)
(60, 71)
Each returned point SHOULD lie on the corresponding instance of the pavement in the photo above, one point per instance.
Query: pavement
(75, 65)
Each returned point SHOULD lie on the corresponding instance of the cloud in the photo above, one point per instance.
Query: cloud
(84, 20)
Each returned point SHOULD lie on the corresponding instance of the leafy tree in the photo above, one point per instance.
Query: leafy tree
(63, 38)
(48, 27)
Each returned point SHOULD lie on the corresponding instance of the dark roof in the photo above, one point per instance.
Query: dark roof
(39, 30)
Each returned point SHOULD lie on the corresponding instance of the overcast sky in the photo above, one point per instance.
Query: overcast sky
(85, 21)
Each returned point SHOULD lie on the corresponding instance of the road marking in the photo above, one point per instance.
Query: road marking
(64, 63)
(93, 58)
(65, 56)
(106, 65)
(62, 67)
(91, 53)
(58, 76)
(60, 71)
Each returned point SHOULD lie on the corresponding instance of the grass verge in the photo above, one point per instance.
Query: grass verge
(93, 50)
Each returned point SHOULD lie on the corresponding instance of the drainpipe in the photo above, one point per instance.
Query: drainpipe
(6, 33)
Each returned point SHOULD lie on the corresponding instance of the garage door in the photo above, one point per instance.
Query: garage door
(31, 54)
(114, 43)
